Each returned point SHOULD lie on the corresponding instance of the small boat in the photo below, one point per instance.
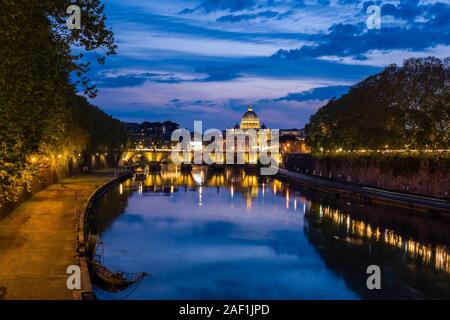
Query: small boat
(114, 281)
(108, 280)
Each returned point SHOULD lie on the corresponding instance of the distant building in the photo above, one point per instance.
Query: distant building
(151, 134)
(300, 133)
(293, 141)
(169, 127)
(292, 144)
(250, 120)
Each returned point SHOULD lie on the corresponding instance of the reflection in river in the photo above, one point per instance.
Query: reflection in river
(434, 256)
(225, 235)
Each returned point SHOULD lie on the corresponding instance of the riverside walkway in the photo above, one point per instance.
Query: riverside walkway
(372, 195)
(38, 239)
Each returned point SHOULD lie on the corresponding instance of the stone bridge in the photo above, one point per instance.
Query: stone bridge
(150, 156)
(164, 156)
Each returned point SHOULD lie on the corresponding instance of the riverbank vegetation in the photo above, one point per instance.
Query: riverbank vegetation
(43, 122)
(402, 108)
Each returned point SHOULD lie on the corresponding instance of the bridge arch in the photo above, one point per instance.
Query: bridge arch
(151, 156)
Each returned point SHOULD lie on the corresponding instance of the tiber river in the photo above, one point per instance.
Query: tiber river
(232, 235)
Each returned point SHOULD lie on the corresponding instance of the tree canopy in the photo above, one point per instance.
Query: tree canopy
(401, 107)
(41, 69)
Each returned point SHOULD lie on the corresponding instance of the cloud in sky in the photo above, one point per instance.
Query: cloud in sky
(209, 6)
(318, 93)
(206, 59)
(418, 27)
(267, 14)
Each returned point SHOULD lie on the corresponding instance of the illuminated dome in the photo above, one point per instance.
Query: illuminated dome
(250, 120)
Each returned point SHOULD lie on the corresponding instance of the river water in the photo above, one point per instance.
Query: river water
(232, 235)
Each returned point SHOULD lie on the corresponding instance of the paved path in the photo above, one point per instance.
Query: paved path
(38, 239)
(391, 198)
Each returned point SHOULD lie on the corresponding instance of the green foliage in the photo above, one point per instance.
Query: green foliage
(401, 107)
(40, 114)
(105, 133)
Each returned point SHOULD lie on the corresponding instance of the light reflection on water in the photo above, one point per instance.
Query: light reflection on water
(436, 257)
(233, 235)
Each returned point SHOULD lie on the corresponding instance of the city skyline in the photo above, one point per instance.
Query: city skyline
(207, 60)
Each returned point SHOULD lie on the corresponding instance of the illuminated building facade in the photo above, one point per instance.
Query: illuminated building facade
(250, 120)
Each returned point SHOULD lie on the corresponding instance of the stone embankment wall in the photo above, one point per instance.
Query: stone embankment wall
(51, 173)
(427, 175)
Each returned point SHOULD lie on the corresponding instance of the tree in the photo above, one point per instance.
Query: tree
(36, 91)
(407, 106)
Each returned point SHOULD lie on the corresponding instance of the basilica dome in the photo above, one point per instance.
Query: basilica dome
(250, 120)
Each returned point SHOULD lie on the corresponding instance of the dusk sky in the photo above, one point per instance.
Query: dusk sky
(208, 59)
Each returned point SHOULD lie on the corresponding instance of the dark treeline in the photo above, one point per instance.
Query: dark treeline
(105, 134)
(403, 107)
(43, 123)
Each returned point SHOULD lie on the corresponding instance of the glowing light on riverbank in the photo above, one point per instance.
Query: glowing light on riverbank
(439, 151)
(403, 151)
(437, 257)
